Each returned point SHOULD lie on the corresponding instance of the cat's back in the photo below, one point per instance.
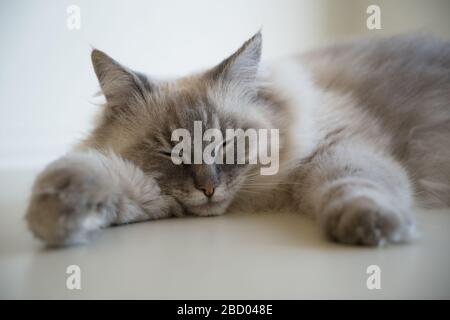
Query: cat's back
(402, 84)
(341, 66)
(388, 75)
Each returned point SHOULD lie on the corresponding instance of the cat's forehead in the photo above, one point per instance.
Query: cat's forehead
(196, 98)
(187, 101)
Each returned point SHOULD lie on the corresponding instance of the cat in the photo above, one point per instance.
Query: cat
(364, 132)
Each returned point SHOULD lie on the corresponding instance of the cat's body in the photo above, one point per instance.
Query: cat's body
(364, 138)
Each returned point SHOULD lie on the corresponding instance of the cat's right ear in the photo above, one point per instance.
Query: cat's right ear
(241, 66)
(119, 84)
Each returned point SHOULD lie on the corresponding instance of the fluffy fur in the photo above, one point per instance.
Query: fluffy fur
(364, 138)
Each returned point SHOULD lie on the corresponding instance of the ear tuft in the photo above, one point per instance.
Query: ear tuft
(242, 66)
(118, 83)
(101, 62)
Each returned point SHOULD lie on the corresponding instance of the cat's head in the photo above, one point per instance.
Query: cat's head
(141, 114)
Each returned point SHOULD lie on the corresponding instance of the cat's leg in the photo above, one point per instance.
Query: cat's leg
(84, 191)
(358, 196)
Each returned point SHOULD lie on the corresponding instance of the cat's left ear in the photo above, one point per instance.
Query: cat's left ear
(241, 66)
(119, 84)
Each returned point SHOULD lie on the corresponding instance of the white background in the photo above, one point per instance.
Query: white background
(47, 82)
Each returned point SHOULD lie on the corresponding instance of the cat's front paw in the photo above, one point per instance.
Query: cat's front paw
(363, 221)
(69, 201)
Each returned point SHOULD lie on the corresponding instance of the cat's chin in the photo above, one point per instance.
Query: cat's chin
(209, 209)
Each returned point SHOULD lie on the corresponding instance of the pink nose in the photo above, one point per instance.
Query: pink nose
(208, 190)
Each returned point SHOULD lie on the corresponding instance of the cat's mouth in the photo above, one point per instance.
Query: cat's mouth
(210, 208)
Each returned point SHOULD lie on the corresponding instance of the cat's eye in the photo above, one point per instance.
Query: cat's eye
(224, 144)
(166, 153)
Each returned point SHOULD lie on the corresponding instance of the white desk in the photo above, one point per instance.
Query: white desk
(237, 256)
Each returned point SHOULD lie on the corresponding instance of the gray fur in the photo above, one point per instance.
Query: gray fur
(364, 128)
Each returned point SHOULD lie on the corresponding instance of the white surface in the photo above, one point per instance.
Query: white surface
(252, 256)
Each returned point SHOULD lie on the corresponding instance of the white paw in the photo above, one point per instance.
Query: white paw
(363, 221)
(68, 203)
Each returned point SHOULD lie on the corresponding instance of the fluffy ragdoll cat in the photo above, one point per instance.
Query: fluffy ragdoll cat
(364, 139)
